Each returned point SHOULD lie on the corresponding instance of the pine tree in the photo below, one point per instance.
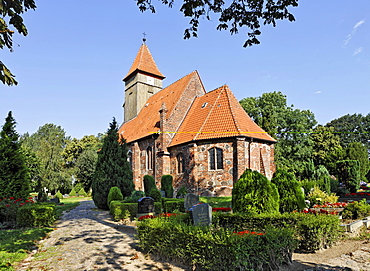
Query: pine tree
(14, 174)
(112, 168)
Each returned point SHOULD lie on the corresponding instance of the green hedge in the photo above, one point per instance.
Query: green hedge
(118, 209)
(36, 215)
(211, 249)
(314, 232)
(173, 205)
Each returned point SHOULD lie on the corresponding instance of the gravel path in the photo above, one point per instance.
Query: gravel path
(87, 239)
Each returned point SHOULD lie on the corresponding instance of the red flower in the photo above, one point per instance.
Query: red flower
(30, 198)
(8, 205)
(11, 198)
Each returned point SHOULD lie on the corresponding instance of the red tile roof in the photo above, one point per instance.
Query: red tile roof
(144, 62)
(147, 121)
(218, 114)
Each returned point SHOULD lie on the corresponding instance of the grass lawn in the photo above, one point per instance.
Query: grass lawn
(15, 244)
(217, 201)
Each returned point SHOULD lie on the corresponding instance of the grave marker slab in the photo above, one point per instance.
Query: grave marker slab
(145, 205)
(190, 200)
(201, 214)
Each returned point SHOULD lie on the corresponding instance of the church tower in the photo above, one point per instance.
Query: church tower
(142, 81)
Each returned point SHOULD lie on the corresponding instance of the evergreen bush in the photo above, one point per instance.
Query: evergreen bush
(155, 194)
(181, 192)
(114, 194)
(149, 184)
(36, 215)
(112, 168)
(59, 195)
(73, 193)
(254, 193)
(135, 196)
(166, 185)
(14, 174)
(323, 178)
(82, 192)
(290, 191)
(349, 174)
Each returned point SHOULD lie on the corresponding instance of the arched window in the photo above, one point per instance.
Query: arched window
(215, 158)
(180, 163)
(149, 158)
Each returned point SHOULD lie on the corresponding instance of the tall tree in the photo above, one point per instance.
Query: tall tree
(14, 174)
(232, 15)
(48, 143)
(112, 168)
(352, 128)
(11, 15)
(289, 126)
(326, 148)
(86, 164)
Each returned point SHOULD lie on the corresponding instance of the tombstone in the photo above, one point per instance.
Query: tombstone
(163, 194)
(65, 196)
(190, 200)
(56, 200)
(201, 214)
(145, 205)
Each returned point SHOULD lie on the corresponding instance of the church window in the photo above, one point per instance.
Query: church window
(180, 163)
(149, 158)
(129, 158)
(215, 159)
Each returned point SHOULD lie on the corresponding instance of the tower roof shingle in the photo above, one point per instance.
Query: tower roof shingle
(144, 62)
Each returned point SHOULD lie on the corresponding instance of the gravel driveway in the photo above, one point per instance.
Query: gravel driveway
(87, 239)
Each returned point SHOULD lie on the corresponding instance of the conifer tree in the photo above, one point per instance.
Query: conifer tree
(14, 174)
(112, 168)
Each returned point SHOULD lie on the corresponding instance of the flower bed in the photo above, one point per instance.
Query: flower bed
(221, 209)
(358, 194)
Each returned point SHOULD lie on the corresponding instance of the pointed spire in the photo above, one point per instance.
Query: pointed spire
(144, 62)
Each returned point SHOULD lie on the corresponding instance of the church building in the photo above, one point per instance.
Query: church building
(205, 140)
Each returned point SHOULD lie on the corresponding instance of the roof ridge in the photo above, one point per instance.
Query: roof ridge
(228, 94)
(209, 113)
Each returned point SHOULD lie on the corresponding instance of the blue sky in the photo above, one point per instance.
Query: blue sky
(70, 66)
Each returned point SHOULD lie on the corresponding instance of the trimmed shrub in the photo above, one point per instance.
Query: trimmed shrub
(155, 194)
(114, 194)
(73, 193)
(173, 205)
(166, 185)
(59, 195)
(216, 249)
(36, 215)
(149, 184)
(314, 232)
(356, 210)
(121, 210)
(254, 193)
(291, 194)
(82, 192)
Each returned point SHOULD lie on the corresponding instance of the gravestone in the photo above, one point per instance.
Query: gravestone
(145, 205)
(201, 214)
(190, 200)
(163, 194)
(56, 200)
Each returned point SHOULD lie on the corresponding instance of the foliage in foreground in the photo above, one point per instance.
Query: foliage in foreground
(212, 249)
(16, 244)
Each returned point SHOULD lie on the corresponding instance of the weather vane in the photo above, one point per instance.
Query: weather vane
(144, 39)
